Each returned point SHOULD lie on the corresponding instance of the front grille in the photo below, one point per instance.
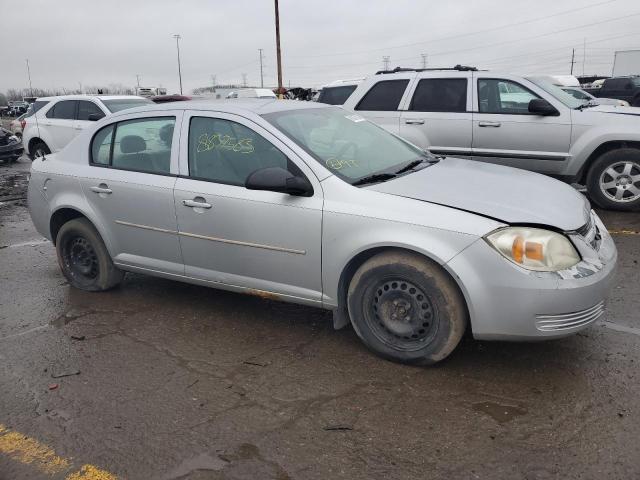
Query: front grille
(567, 321)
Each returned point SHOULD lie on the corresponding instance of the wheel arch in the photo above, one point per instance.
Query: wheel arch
(65, 213)
(33, 141)
(601, 150)
(342, 318)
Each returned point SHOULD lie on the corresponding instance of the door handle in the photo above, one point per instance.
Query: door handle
(102, 188)
(78, 128)
(197, 202)
(489, 124)
(414, 122)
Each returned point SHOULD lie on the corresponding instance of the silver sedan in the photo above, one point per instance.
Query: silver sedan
(311, 204)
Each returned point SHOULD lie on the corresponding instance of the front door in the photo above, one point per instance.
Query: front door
(438, 115)
(504, 131)
(59, 121)
(260, 241)
(129, 185)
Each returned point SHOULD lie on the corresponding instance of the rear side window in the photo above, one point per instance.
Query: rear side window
(336, 95)
(141, 145)
(440, 95)
(384, 96)
(63, 110)
(227, 152)
(86, 108)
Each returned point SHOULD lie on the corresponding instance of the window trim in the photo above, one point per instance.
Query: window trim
(231, 184)
(408, 82)
(425, 79)
(503, 80)
(113, 138)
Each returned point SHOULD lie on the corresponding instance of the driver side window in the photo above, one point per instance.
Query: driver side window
(503, 97)
(227, 152)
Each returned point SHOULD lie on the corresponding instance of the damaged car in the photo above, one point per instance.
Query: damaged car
(10, 146)
(312, 204)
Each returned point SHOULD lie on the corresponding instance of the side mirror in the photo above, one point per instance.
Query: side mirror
(94, 117)
(540, 106)
(276, 179)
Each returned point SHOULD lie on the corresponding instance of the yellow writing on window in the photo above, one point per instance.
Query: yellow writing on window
(338, 164)
(214, 141)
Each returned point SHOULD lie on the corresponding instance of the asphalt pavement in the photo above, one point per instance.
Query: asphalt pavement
(163, 380)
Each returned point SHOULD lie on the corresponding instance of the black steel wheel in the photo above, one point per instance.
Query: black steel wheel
(83, 257)
(406, 308)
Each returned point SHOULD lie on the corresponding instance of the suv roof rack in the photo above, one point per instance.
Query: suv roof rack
(459, 68)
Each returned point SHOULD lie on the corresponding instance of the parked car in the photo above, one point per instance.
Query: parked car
(307, 203)
(169, 98)
(336, 93)
(580, 94)
(252, 93)
(620, 88)
(10, 146)
(511, 120)
(59, 119)
(17, 124)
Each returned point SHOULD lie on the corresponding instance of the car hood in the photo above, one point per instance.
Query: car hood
(506, 194)
(614, 109)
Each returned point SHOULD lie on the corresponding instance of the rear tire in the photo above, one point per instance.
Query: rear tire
(613, 181)
(84, 259)
(39, 149)
(406, 308)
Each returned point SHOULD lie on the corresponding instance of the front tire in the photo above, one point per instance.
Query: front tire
(84, 259)
(613, 181)
(406, 308)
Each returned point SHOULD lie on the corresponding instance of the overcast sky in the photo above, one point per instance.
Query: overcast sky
(106, 42)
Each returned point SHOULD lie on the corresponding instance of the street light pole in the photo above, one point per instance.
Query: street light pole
(178, 37)
(261, 76)
(278, 55)
(29, 75)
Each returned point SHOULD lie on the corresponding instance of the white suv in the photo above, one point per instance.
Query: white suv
(524, 122)
(56, 123)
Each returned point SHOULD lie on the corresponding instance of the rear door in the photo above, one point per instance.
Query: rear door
(381, 101)
(504, 131)
(59, 121)
(437, 114)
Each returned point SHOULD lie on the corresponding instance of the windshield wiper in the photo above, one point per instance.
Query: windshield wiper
(411, 166)
(588, 104)
(376, 177)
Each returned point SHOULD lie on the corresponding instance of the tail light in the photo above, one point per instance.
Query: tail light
(23, 124)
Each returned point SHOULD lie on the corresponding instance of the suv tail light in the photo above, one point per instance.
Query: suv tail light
(23, 124)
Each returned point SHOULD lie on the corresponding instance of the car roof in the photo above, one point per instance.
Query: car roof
(258, 106)
(87, 97)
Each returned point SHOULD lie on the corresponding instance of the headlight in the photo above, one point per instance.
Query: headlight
(534, 248)
(13, 139)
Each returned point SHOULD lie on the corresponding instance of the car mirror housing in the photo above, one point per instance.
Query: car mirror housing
(94, 117)
(276, 179)
(540, 106)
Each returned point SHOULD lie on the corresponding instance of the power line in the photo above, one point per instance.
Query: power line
(451, 37)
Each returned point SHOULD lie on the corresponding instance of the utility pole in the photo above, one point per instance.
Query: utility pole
(573, 56)
(178, 37)
(213, 82)
(138, 79)
(424, 60)
(29, 75)
(261, 76)
(584, 54)
(244, 79)
(385, 62)
(278, 55)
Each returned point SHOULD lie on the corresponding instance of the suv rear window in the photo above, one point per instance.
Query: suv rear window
(384, 96)
(440, 95)
(336, 95)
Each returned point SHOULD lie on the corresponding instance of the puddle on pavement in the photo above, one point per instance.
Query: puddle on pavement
(69, 316)
(500, 413)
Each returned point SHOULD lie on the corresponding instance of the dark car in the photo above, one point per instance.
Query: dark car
(169, 98)
(620, 88)
(10, 146)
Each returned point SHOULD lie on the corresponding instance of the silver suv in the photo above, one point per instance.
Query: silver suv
(524, 122)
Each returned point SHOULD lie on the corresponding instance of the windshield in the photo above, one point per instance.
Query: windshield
(124, 103)
(336, 95)
(348, 145)
(557, 92)
(579, 94)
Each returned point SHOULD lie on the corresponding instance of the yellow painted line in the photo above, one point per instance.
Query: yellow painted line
(31, 452)
(89, 472)
(623, 232)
